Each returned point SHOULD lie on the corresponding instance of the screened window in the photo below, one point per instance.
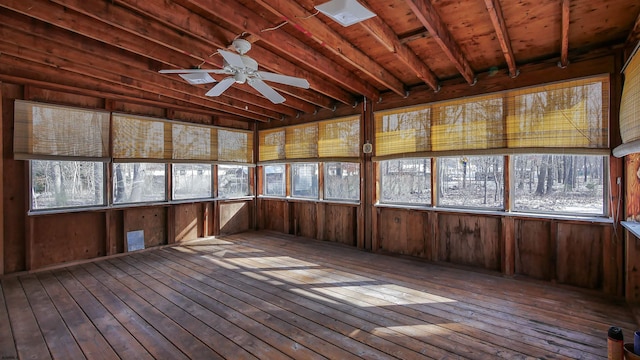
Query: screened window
(342, 181)
(191, 181)
(571, 184)
(406, 181)
(275, 182)
(63, 184)
(304, 180)
(139, 182)
(471, 182)
(233, 181)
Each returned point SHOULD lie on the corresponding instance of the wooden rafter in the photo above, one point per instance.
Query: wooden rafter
(56, 15)
(182, 20)
(388, 38)
(331, 40)
(246, 20)
(564, 51)
(426, 13)
(111, 68)
(497, 18)
(634, 34)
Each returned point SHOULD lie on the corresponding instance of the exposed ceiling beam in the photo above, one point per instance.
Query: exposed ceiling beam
(388, 38)
(127, 21)
(65, 19)
(413, 36)
(426, 13)
(564, 51)
(246, 20)
(317, 30)
(109, 70)
(183, 20)
(634, 35)
(497, 18)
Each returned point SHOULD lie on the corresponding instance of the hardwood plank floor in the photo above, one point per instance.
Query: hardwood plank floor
(263, 295)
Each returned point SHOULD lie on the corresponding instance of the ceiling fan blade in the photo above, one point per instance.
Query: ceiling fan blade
(266, 90)
(284, 79)
(232, 59)
(221, 87)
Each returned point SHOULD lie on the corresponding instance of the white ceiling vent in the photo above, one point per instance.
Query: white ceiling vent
(345, 12)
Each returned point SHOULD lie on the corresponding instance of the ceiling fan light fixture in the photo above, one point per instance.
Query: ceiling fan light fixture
(345, 12)
(197, 78)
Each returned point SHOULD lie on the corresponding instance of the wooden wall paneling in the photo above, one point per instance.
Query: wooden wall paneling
(470, 240)
(1, 185)
(216, 217)
(321, 221)
(115, 232)
(304, 218)
(432, 251)
(60, 238)
(612, 262)
(533, 248)
(341, 224)
(62, 98)
(553, 246)
(402, 231)
(207, 221)
(507, 245)
(579, 259)
(185, 221)
(632, 271)
(234, 217)
(15, 196)
(272, 214)
(153, 220)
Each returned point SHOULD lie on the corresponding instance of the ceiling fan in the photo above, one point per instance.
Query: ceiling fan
(241, 69)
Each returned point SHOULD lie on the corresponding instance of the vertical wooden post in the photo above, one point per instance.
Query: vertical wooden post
(508, 239)
(553, 251)
(366, 212)
(1, 184)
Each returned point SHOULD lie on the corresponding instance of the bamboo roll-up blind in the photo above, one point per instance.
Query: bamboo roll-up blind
(51, 131)
(235, 146)
(301, 141)
(630, 108)
(137, 138)
(468, 124)
(401, 131)
(194, 142)
(271, 145)
(339, 138)
(566, 115)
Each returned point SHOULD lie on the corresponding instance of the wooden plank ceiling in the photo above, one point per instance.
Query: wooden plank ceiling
(113, 49)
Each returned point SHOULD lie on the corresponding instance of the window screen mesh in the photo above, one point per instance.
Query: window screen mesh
(339, 137)
(193, 142)
(141, 138)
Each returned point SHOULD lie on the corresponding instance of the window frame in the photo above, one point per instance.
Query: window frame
(404, 203)
(217, 182)
(63, 209)
(264, 180)
(606, 186)
(325, 173)
(113, 203)
(317, 182)
(212, 183)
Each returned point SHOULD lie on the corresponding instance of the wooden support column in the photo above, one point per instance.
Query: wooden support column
(1, 187)
(553, 253)
(367, 216)
(507, 250)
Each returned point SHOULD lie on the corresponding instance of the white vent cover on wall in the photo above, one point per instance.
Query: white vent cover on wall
(345, 12)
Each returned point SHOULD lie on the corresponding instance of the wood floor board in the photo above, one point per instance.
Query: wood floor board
(152, 340)
(451, 342)
(359, 318)
(28, 338)
(89, 339)
(119, 338)
(7, 345)
(256, 309)
(146, 287)
(491, 317)
(331, 321)
(227, 313)
(267, 295)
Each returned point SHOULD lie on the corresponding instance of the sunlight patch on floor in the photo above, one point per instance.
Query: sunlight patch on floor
(417, 330)
(372, 295)
(271, 262)
(310, 276)
(314, 296)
